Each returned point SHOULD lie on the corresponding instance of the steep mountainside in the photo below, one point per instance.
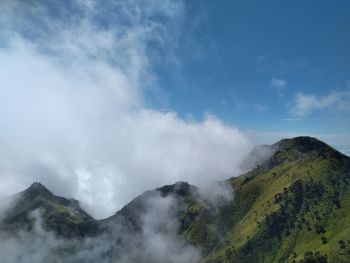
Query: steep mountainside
(293, 207)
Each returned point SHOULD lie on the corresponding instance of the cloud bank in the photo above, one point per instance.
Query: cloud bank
(74, 77)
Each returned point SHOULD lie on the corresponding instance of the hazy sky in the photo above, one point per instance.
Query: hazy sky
(102, 100)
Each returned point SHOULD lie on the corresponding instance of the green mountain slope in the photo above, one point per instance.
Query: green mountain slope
(61, 215)
(292, 208)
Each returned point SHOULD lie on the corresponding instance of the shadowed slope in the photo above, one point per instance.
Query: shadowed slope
(61, 215)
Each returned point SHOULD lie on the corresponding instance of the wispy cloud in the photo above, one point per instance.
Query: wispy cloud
(241, 105)
(292, 119)
(304, 104)
(278, 84)
(260, 59)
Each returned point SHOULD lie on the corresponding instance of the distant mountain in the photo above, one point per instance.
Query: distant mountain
(131, 214)
(292, 207)
(151, 219)
(61, 215)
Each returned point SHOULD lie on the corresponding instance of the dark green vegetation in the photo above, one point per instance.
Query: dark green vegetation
(293, 207)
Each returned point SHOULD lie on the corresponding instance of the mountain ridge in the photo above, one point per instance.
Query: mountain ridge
(280, 211)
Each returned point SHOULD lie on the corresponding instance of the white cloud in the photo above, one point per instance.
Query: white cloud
(278, 84)
(304, 104)
(72, 110)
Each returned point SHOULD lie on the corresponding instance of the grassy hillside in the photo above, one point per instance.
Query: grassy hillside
(292, 208)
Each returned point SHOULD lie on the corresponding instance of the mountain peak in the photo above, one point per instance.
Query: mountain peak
(37, 188)
(179, 188)
(37, 185)
(302, 143)
(62, 215)
(287, 150)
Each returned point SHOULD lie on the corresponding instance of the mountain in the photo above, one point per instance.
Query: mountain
(147, 228)
(294, 207)
(183, 193)
(291, 207)
(61, 215)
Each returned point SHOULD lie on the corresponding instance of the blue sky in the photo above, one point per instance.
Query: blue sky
(246, 61)
(264, 66)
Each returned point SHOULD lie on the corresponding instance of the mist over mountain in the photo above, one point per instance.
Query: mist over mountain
(299, 194)
(77, 119)
(174, 131)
